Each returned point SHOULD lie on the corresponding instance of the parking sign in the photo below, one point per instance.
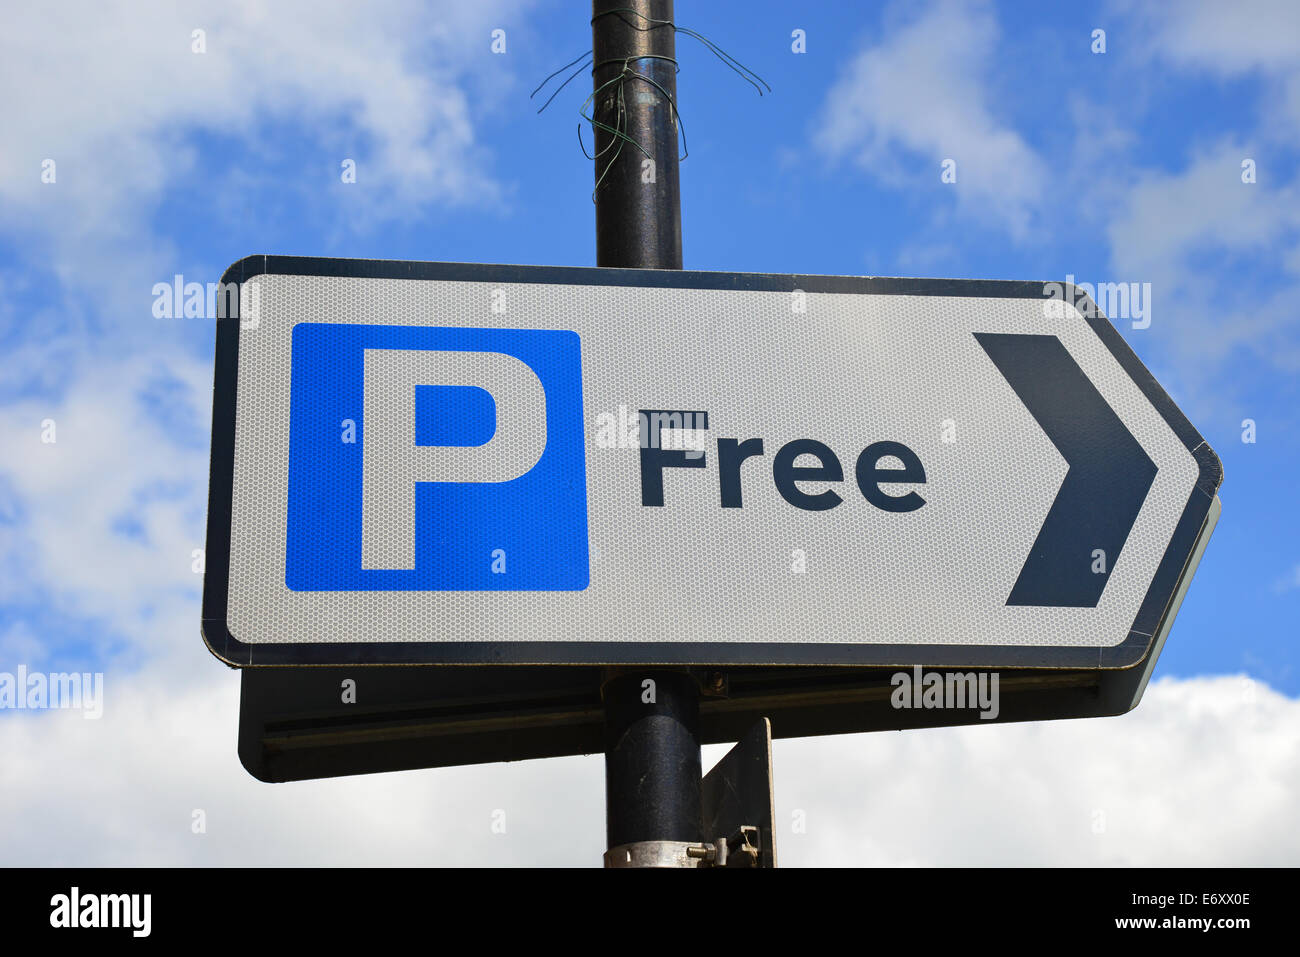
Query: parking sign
(449, 463)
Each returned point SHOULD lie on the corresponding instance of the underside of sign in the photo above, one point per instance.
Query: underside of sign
(432, 463)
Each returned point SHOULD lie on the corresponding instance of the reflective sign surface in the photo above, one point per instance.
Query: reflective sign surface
(423, 462)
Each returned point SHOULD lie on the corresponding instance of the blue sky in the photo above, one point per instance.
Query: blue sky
(1115, 166)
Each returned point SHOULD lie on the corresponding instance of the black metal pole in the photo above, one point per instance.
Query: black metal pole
(652, 758)
(638, 201)
(652, 739)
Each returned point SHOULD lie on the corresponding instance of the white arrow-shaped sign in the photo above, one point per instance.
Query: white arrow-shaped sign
(443, 463)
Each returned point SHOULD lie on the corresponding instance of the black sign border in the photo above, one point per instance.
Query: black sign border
(1128, 653)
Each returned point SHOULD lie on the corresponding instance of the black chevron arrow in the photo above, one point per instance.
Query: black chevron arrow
(1107, 482)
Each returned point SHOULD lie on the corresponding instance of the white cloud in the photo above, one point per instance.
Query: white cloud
(1203, 773)
(105, 518)
(112, 92)
(1173, 216)
(1228, 38)
(1220, 254)
(1177, 228)
(1230, 41)
(921, 96)
(123, 789)
(1216, 252)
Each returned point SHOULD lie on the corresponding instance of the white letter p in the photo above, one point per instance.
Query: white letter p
(391, 461)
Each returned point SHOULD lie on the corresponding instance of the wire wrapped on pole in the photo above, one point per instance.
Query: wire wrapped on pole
(617, 130)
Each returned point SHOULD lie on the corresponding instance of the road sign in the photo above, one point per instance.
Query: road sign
(473, 464)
